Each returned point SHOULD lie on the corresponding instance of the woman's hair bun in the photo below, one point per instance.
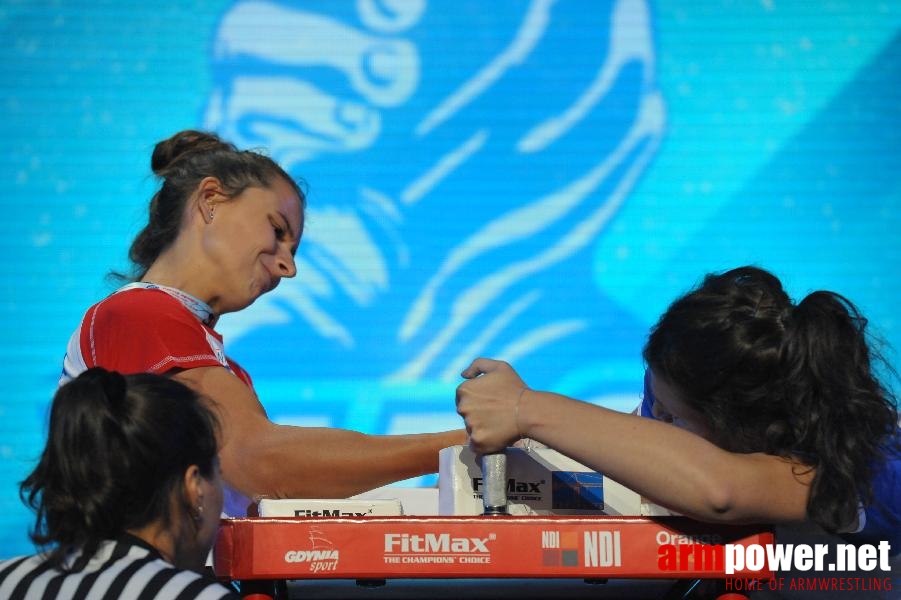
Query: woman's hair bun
(183, 144)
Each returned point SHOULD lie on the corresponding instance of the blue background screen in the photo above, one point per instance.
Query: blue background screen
(529, 180)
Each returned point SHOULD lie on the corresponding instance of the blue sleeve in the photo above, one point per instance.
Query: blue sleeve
(647, 399)
(883, 515)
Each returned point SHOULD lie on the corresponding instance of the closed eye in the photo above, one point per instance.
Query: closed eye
(280, 231)
(284, 233)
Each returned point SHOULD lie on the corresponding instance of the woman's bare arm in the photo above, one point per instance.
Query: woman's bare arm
(672, 467)
(260, 457)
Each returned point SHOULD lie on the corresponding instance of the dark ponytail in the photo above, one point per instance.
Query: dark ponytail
(181, 162)
(771, 377)
(844, 416)
(117, 449)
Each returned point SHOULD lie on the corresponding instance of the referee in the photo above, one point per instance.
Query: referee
(127, 495)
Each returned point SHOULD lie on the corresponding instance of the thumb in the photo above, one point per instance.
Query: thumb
(480, 366)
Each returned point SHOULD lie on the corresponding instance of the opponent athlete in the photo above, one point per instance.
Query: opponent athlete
(779, 414)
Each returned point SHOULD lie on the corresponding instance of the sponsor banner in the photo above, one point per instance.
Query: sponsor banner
(435, 547)
(270, 507)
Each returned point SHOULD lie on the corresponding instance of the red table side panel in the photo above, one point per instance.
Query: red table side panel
(474, 547)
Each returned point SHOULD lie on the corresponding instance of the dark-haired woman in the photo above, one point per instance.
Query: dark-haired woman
(779, 415)
(127, 494)
(222, 231)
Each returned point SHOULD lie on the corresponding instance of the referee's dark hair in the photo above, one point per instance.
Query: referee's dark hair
(117, 449)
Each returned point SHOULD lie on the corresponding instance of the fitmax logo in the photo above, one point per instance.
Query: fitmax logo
(435, 543)
(513, 486)
(327, 513)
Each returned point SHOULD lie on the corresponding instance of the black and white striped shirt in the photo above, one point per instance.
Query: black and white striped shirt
(126, 568)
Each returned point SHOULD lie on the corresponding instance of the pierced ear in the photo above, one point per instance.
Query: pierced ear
(193, 482)
(192, 501)
(209, 194)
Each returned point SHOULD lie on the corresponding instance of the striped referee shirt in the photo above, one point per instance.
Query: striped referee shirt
(127, 568)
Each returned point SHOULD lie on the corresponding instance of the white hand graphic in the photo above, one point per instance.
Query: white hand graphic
(460, 164)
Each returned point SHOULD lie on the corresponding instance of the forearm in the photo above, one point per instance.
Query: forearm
(260, 457)
(294, 462)
(668, 465)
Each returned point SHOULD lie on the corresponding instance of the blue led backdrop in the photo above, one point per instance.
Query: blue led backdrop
(525, 180)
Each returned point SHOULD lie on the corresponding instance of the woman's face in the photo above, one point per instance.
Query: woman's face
(671, 408)
(251, 241)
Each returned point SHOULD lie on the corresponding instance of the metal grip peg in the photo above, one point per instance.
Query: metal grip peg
(494, 478)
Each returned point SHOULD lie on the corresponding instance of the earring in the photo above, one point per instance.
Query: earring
(211, 214)
(198, 516)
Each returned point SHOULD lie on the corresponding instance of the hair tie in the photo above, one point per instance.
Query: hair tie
(114, 389)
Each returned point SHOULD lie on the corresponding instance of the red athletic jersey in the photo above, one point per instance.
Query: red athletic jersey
(144, 330)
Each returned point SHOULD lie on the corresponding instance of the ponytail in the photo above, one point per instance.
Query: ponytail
(117, 449)
(842, 413)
